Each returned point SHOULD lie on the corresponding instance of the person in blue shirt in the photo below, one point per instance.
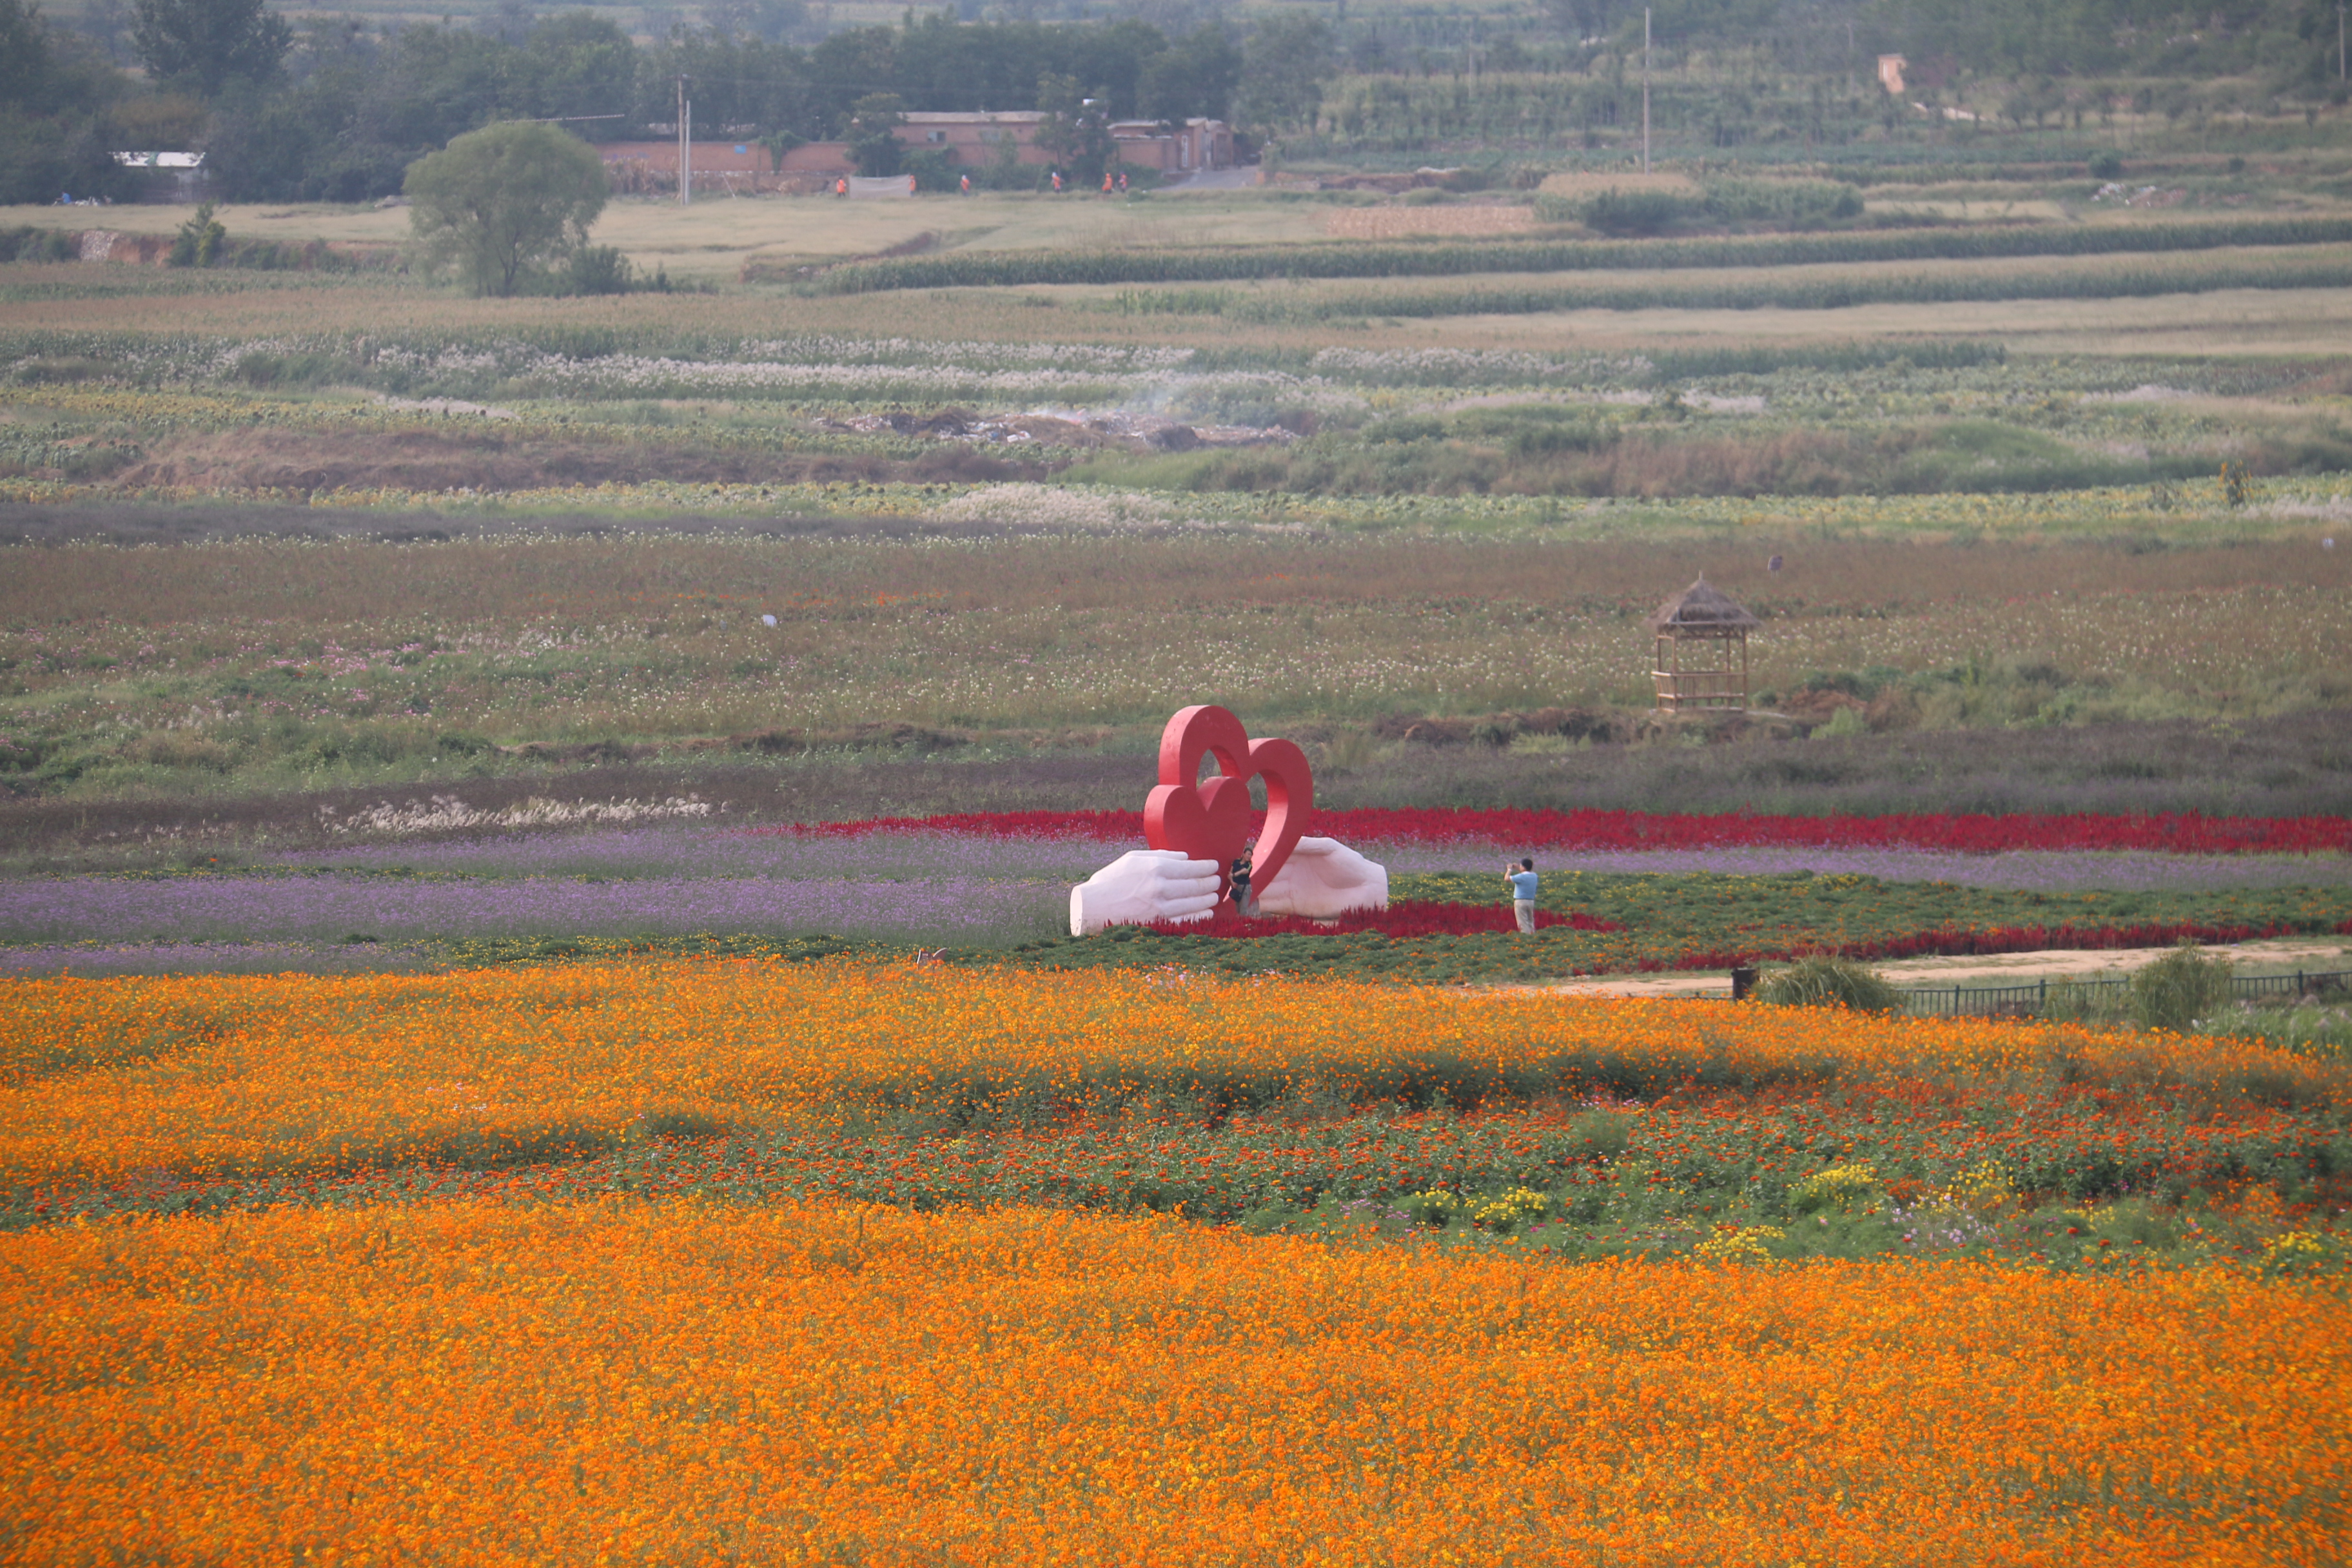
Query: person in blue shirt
(1522, 878)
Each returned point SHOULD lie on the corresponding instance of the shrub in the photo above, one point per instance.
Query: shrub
(1431, 1208)
(198, 243)
(598, 269)
(1616, 211)
(1831, 983)
(1793, 202)
(1602, 1132)
(1834, 1186)
(2180, 988)
(31, 244)
(2106, 165)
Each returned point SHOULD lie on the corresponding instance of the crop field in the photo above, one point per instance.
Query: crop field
(714, 238)
(276, 663)
(537, 1007)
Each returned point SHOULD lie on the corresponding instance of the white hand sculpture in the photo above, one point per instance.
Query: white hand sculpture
(1144, 885)
(1324, 878)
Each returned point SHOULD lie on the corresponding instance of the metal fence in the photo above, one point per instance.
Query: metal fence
(2028, 1001)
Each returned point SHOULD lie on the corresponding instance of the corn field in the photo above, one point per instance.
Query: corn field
(1226, 264)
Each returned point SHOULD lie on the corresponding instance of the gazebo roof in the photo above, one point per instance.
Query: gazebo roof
(1701, 610)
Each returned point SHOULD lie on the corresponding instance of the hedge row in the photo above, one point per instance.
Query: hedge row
(1803, 294)
(994, 269)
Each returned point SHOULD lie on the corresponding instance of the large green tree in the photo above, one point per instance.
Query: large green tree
(501, 199)
(54, 95)
(209, 43)
(1284, 63)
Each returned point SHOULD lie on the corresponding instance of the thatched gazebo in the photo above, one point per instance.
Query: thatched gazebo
(1701, 655)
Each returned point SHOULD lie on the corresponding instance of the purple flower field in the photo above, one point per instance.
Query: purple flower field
(707, 852)
(261, 909)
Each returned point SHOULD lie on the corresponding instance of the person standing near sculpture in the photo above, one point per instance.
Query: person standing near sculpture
(1245, 901)
(1522, 877)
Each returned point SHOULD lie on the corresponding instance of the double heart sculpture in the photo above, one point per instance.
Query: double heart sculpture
(1211, 820)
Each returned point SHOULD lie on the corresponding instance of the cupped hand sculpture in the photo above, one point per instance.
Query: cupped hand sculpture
(1324, 878)
(1145, 885)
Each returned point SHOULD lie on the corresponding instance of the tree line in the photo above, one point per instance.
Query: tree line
(333, 109)
(337, 111)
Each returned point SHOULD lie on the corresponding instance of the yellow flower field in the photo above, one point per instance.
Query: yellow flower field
(667, 1383)
(234, 1075)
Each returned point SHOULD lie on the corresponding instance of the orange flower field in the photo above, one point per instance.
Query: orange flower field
(670, 1384)
(1789, 1286)
(238, 1074)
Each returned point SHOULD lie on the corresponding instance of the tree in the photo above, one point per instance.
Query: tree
(1283, 66)
(872, 133)
(24, 51)
(1075, 132)
(210, 42)
(55, 92)
(502, 198)
(580, 64)
(1194, 75)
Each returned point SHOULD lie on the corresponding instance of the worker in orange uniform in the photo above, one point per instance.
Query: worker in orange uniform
(967, 185)
(841, 187)
(1106, 182)
(1057, 182)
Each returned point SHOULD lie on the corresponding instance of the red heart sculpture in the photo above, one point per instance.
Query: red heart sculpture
(1212, 821)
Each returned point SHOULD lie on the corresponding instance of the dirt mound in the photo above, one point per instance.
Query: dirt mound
(431, 461)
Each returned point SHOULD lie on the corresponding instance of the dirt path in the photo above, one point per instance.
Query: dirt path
(1998, 969)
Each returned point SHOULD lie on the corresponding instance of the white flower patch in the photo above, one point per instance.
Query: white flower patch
(448, 813)
(1052, 507)
(1457, 367)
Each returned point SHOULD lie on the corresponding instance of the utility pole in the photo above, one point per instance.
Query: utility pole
(2339, 40)
(1849, 57)
(685, 146)
(1645, 89)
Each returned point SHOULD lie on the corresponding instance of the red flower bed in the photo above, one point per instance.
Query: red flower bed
(2184, 833)
(1402, 918)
